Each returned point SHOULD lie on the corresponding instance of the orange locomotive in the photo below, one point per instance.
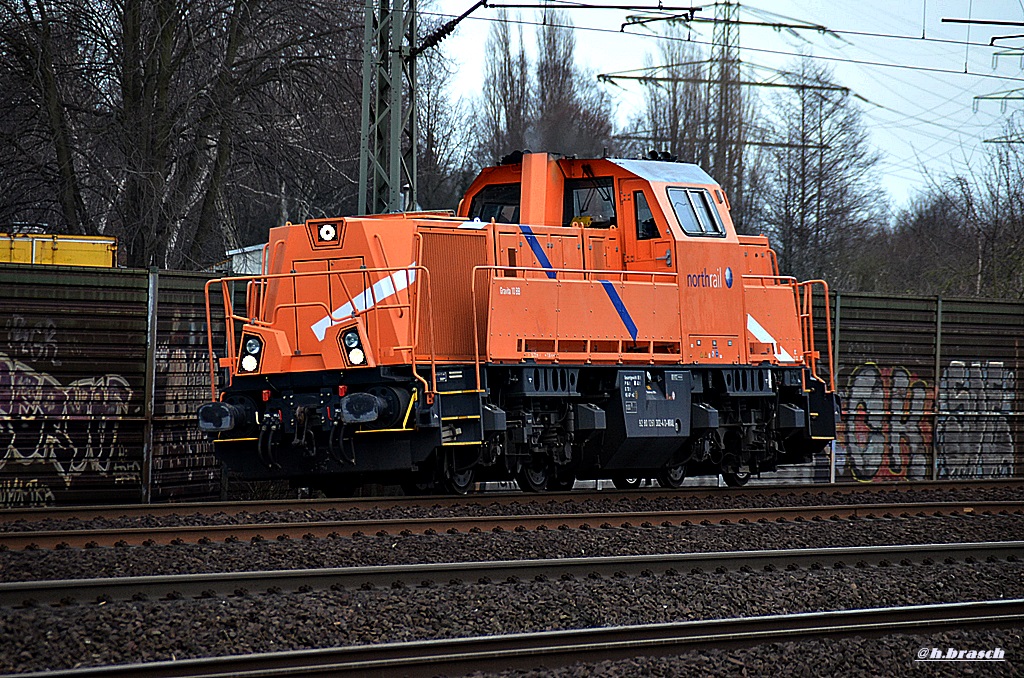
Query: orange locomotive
(577, 319)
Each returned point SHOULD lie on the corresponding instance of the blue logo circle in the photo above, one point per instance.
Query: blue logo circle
(728, 277)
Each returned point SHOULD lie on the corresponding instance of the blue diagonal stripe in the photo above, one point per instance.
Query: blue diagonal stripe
(620, 307)
(538, 250)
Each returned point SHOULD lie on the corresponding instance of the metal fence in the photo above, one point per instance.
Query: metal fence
(931, 387)
(101, 372)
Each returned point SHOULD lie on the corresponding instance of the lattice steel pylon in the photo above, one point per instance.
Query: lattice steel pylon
(387, 139)
(726, 100)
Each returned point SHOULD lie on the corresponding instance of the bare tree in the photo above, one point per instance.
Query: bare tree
(551, 105)
(822, 195)
(43, 107)
(965, 233)
(172, 124)
(444, 146)
(674, 118)
(573, 115)
(678, 118)
(506, 107)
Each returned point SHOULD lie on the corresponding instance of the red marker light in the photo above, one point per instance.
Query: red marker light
(266, 395)
(342, 390)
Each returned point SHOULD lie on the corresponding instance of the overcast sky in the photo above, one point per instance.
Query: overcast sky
(918, 102)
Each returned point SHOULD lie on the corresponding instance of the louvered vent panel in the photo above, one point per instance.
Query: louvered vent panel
(450, 258)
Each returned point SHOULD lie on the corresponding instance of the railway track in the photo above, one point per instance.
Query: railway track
(173, 587)
(181, 534)
(551, 649)
(34, 514)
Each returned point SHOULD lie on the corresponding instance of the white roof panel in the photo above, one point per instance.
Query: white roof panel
(667, 172)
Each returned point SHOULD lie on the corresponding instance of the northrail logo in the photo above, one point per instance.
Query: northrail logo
(937, 654)
(713, 279)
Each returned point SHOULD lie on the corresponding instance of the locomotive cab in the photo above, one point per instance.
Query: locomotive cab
(577, 319)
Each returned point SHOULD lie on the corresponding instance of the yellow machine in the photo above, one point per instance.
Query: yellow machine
(58, 250)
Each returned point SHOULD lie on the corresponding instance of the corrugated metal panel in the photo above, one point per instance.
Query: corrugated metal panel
(886, 376)
(929, 388)
(58, 250)
(450, 257)
(72, 369)
(183, 465)
(978, 414)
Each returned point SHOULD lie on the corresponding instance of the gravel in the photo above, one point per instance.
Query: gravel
(478, 505)
(397, 549)
(888, 656)
(54, 638)
(45, 638)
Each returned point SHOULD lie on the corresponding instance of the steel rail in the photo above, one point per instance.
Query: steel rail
(13, 594)
(181, 534)
(454, 524)
(499, 498)
(550, 649)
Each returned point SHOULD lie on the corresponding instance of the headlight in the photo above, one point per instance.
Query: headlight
(356, 356)
(351, 340)
(253, 346)
(328, 232)
(249, 363)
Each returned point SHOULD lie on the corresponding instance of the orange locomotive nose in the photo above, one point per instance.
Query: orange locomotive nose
(578, 319)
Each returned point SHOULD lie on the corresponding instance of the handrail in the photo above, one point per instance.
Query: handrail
(807, 326)
(209, 339)
(278, 245)
(431, 388)
(262, 282)
(538, 269)
(588, 275)
(384, 256)
(787, 279)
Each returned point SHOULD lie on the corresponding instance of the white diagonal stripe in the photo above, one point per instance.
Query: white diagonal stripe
(762, 335)
(379, 291)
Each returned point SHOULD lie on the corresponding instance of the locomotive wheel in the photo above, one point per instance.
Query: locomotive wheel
(737, 479)
(672, 477)
(459, 482)
(533, 479)
(621, 482)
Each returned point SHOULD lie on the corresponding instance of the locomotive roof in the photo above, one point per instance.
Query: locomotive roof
(665, 172)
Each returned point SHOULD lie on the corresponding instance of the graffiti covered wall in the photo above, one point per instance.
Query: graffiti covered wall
(904, 422)
(887, 425)
(72, 357)
(74, 428)
(74, 387)
(974, 435)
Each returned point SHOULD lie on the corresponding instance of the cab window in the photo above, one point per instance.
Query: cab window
(589, 203)
(497, 201)
(646, 229)
(694, 211)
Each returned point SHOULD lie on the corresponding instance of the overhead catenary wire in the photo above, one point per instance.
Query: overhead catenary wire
(922, 115)
(812, 27)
